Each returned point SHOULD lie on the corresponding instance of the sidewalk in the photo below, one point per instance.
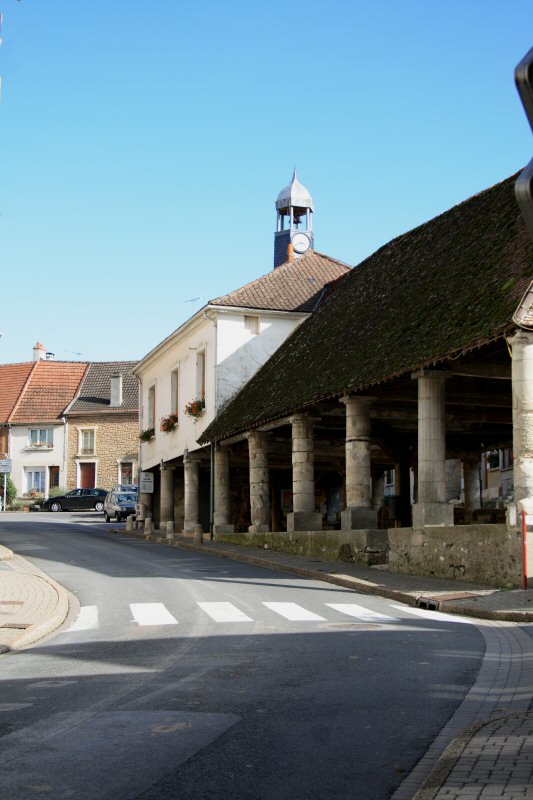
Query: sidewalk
(32, 605)
(493, 758)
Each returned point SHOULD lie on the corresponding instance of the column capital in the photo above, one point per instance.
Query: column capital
(355, 399)
(167, 468)
(520, 336)
(304, 416)
(430, 373)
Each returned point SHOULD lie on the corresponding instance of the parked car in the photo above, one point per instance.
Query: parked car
(119, 505)
(77, 500)
(125, 487)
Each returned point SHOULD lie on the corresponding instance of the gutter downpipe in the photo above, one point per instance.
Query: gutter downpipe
(212, 494)
(213, 445)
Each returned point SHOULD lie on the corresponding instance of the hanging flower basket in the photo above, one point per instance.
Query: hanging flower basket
(147, 435)
(195, 408)
(169, 423)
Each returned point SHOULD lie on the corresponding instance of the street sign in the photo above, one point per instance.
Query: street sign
(523, 76)
(146, 482)
(6, 465)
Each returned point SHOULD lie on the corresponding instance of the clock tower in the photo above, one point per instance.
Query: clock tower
(294, 208)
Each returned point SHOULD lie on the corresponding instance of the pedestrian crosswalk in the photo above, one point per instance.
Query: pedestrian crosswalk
(157, 614)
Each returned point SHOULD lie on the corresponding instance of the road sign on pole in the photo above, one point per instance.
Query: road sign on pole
(6, 465)
(523, 75)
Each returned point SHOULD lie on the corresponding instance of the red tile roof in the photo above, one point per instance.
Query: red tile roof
(50, 387)
(12, 380)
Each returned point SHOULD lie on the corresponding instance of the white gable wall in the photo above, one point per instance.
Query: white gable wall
(233, 353)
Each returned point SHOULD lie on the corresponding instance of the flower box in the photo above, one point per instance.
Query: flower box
(147, 435)
(195, 408)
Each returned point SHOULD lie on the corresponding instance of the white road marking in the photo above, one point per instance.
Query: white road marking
(294, 612)
(437, 616)
(87, 620)
(224, 612)
(354, 610)
(152, 614)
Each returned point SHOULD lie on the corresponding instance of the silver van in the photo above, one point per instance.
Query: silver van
(119, 505)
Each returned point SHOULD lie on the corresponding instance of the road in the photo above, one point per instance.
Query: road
(186, 675)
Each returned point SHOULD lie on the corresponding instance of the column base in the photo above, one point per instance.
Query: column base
(218, 528)
(258, 529)
(304, 521)
(432, 515)
(190, 526)
(355, 519)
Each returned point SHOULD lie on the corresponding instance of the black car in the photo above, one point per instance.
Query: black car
(77, 500)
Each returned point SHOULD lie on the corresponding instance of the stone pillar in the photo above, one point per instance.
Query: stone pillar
(522, 375)
(431, 508)
(146, 500)
(358, 512)
(221, 523)
(471, 485)
(303, 517)
(378, 491)
(179, 500)
(191, 471)
(167, 496)
(259, 482)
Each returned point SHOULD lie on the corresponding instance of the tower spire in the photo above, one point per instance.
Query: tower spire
(294, 208)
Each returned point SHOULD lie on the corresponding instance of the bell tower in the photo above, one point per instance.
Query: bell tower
(294, 208)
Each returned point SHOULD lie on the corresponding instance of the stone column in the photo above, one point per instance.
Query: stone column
(358, 512)
(378, 491)
(303, 517)
(259, 482)
(471, 485)
(167, 496)
(221, 523)
(179, 501)
(191, 470)
(431, 508)
(522, 375)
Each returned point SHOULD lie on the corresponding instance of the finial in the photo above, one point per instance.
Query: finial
(294, 175)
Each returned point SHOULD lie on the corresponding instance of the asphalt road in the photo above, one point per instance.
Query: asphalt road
(185, 675)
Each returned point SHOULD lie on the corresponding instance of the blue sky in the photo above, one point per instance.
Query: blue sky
(143, 144)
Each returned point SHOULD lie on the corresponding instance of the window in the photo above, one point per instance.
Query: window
(174, 393)
(151, 407)
(35, 480)
(87, 441)
(251, 324)
(200, 375)
(125, 472)
(41, 437)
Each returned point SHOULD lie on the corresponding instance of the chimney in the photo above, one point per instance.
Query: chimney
(39, 352)
(116, 390)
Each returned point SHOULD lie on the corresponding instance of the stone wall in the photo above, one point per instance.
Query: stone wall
(489, 554)
(116, 439)
(364, 546)
(486, 554)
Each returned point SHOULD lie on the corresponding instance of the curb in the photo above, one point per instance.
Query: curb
(51, 623)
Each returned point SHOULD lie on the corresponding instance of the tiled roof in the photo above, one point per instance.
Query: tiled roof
(447, 286)
(95, 392)
(12, 380)
(50, 389)
(294, 286)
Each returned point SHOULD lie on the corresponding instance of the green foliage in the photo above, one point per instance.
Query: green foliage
(56, 491)
(11, 491)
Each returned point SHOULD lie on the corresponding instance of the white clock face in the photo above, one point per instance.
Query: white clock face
(300, 242)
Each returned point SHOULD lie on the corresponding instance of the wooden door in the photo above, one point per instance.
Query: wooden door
(87, 475)
(54, 477)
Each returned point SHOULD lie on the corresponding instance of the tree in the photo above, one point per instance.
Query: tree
(10, 488)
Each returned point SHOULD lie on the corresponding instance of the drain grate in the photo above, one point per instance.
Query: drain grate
(354, 626)
(427, 603)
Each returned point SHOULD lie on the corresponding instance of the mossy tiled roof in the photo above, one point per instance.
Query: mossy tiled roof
(449, 285)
